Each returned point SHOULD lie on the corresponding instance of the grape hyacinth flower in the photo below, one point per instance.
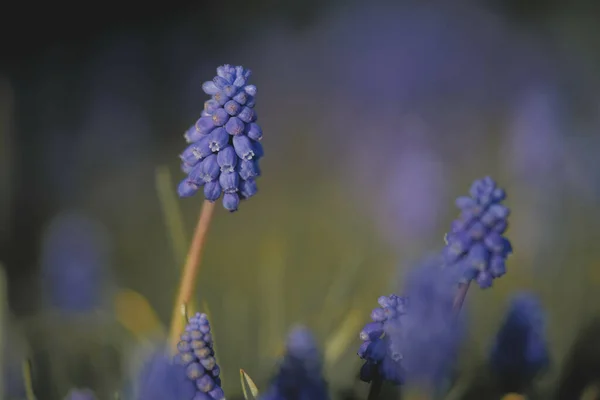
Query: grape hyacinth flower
(80, 394)
(380, 355)
(416, 337)
(475, 242)
(225, 143)
(300, 372)
(196, 354)
(520, 351)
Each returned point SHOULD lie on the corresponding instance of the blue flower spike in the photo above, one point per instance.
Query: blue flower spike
(381, 358)
(520, 350)
(300, 374)
(224, 148)
(196, 354)
(475, 243)
(415, 338)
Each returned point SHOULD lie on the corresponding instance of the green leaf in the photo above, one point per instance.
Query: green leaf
(248, 383)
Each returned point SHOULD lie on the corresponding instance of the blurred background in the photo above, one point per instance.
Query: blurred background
(376, 116)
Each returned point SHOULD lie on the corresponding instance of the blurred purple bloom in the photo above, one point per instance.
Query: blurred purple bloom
(74, 263)
(162, 379)
(475, 243)
(536, 148)
(414, 337)
(300, 374)
(381, 356)
(414, 187)
(196, 355)
(520, 348)
(223, 139)
(80, 394)
(429, 335)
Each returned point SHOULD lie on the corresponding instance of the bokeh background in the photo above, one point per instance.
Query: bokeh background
(376, 115)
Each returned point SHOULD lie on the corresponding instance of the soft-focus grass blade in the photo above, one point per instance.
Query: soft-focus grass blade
(340, 291)
(457, 391)
(134, 312)
(591, 392)
(272, 289)
(338, 342)
(171, 213)
(6, 154)
(27, 379)
(248, 383)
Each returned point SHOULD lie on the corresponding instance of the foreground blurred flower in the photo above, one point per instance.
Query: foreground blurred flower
(475, 243)
(162, 379)
(520, 351)
(414, 338)
(429, 336)
(80, 394)
(300, 372)
(196, 354)
(74, 263)
(224, 143)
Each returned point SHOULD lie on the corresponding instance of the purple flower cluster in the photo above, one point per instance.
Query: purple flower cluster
(224, 143)
(300, 373)
(430, 334)
(520, 347)
(195, 352)
(414, 337)
(475, 242)
(377, 349)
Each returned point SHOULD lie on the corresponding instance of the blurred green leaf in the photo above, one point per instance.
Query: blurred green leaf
(338, 342)
(591, 392)
(135, 313)
(6, 153)
(171, 213)
(27, 379)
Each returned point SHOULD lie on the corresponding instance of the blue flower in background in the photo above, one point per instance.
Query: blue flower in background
(415, 337)
(196, 355)
(520, 349)
(300, 375)
(430, 334)
(475, 242)
(75, 258)
(224, 143)
(162, 379)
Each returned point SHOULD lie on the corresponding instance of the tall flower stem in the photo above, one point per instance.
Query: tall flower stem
(459, 299)
(190, 272)
(375, 388)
